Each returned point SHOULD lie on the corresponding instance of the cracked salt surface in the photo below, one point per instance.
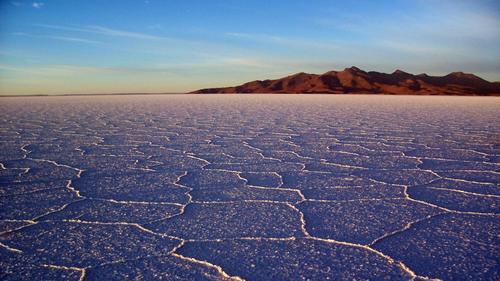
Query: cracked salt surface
(249, 188)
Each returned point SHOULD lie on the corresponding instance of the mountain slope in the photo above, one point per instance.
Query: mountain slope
(355, 80)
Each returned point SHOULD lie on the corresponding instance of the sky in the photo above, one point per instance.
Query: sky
(125, 46)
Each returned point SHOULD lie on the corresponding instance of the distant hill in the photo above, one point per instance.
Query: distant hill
(355, 80)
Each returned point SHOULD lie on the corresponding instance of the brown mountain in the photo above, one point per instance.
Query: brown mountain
(355, 80)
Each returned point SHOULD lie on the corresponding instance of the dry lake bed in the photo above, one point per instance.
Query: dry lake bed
(254, 187)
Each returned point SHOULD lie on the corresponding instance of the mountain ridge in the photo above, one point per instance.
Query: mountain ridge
(353, 80)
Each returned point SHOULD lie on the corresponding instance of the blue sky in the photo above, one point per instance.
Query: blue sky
(105, 46)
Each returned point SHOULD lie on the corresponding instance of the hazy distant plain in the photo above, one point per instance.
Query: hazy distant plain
(258, 187)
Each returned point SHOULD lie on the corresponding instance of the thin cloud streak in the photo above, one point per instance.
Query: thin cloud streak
(146, 37)
(37, 5)
(69, 69)
(95, 29)
(62, 38)
(288, 41)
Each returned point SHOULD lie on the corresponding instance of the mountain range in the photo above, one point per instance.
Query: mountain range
(355, 80)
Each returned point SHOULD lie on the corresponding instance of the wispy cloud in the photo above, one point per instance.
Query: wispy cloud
(245, 62)
(62, 38)
(74, 39)
(407, 47)
(158, 44)
(96, 29)
(122, 33)
(65, 70)
(288, 41)
(254, 36)
(37, 5)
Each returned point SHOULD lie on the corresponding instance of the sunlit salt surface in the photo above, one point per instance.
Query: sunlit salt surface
(255, 187)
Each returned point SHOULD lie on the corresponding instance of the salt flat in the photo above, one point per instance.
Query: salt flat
(254, 187)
